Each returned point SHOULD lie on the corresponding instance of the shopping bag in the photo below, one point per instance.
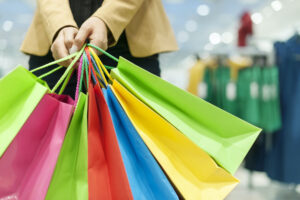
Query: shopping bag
(225, 137)
(70, 178)
(27, 165)
(192, 171)
(20, 92)
(146, 178)
(106, 173)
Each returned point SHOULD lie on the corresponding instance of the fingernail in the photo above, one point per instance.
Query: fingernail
(73, 49)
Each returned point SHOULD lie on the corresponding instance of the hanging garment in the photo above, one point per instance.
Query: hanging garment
(226, 91)
(196, 78)
(283, 164)
(245, 29)
(248, 95)
(208, 85)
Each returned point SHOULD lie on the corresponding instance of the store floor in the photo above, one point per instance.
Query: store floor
(262, 188)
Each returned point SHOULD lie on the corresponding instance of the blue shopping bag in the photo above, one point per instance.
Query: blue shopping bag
(146, 178)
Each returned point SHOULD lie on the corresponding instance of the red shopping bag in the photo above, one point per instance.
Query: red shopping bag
(106, 172)
(27, 165)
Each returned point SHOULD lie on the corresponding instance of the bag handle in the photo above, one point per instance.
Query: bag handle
(69, 68)
(55, 62)
(104, 52)
(50, 72)
(79, 78)
(97, 64)
(100, 64)
(66, 81)
(91, 68)
(99, 74)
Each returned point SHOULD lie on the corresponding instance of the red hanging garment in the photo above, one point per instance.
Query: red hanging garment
(245, 29)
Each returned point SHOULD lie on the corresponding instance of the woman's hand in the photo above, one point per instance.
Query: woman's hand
(63, 43)
(94, 30)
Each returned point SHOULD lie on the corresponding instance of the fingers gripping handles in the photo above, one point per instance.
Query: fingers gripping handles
(89, 64)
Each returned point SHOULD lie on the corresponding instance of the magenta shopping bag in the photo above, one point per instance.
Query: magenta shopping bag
(27, 165)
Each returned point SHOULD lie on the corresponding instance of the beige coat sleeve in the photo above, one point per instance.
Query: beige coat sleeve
(117, 14)
(55, 15)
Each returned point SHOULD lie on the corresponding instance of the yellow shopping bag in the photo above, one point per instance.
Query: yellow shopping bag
(192, 171)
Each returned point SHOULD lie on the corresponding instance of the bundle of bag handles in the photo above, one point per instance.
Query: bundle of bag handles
(89, 66)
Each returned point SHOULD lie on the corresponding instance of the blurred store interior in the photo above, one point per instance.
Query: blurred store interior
(241, 55)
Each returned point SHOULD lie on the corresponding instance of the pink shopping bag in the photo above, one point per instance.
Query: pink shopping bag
(27, 165)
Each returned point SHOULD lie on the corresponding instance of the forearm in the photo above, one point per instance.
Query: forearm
(55, 15)
(117, 14)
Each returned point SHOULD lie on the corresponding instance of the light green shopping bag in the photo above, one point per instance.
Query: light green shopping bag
(70, 178)
(20, 93)
(225, 137)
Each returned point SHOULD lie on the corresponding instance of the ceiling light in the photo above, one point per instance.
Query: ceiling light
(215, 38)
(203, 10)
(257, 18)
(276, 5)
(7, 25)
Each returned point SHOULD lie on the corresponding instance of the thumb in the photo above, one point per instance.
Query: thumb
(73, 49)
(81, 37)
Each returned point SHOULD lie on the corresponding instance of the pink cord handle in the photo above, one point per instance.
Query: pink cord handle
(78, 79)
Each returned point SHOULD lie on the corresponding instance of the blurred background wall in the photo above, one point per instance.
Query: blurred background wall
(199, 25)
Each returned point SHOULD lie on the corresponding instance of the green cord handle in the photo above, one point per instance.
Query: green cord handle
(86, 71)
(78, 54)
(104, 52)
(54, 62)
(82, 75)
(50, 72)
(109, 67)
(65, 83)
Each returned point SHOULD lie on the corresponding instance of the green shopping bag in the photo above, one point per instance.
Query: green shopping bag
(225, 137)
(20, 93)
(70, 178)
